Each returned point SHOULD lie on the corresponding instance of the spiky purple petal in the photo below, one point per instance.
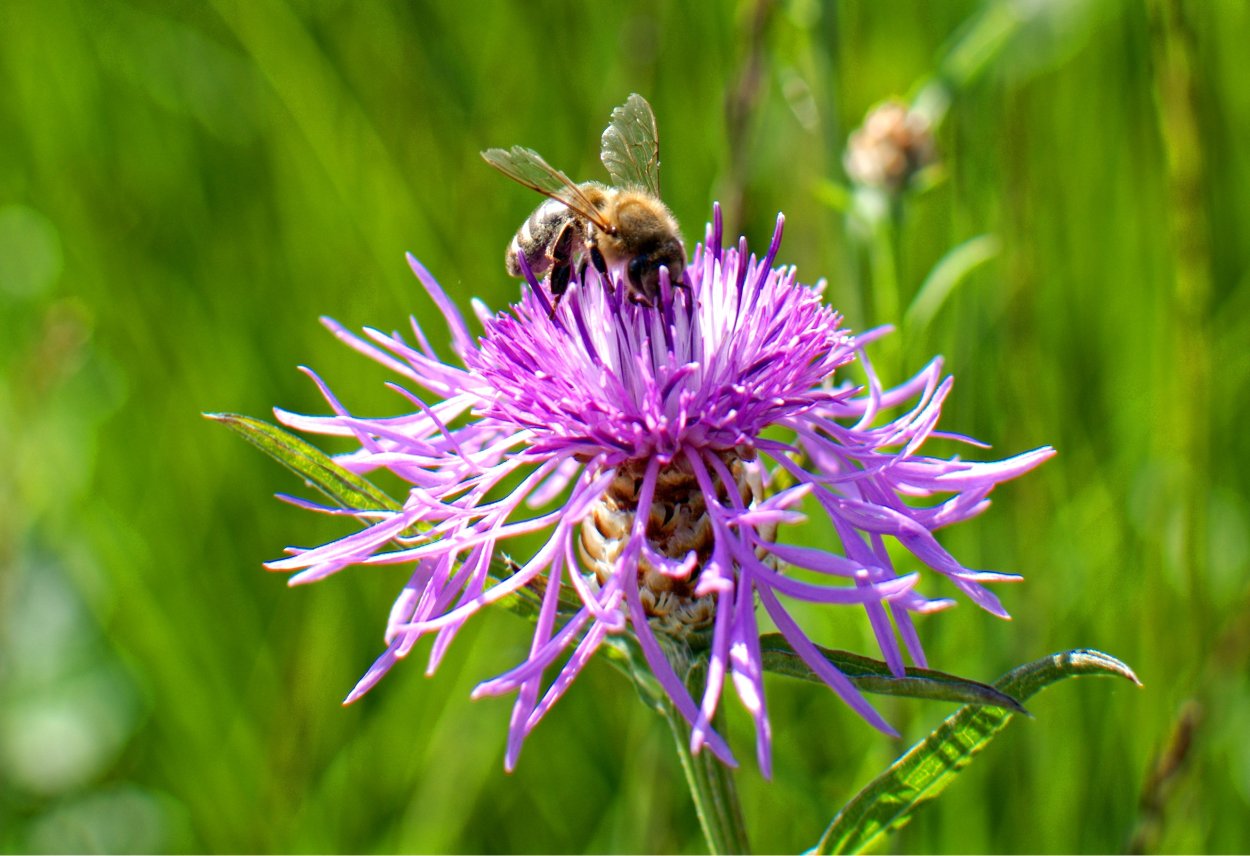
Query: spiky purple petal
(528, 437)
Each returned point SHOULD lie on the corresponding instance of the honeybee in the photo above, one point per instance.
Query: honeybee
(623, 229)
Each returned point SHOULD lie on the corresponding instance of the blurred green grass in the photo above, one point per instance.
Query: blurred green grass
(185, 187)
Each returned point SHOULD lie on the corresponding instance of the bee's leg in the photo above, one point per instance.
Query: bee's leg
(596, 259)
(561, 255)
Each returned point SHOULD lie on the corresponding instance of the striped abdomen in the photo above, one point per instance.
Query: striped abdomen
(535, 237)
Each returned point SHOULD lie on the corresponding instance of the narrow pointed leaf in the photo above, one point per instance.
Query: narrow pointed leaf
(310, 463)
(523, 602)
(353, 492)
(874, 676)
(921, 774)
(949, 272)
(526, 602)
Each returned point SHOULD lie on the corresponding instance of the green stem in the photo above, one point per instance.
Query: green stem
(885, 285)
(1187, 438)
(883, 217)
(712, 789)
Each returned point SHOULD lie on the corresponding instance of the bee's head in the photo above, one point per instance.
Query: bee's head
(646, 239)
(643, 271)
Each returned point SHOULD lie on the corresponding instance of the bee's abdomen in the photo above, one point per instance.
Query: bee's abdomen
(536, 236)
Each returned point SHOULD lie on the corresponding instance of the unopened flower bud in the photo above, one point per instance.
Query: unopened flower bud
(894, 143)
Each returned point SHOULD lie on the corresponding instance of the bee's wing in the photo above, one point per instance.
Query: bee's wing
(631, 146)
(526, 166)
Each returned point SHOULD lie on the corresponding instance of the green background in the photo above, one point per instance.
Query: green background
(186, 187)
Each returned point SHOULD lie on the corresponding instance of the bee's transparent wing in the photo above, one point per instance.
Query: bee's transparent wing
(526, 166)
(631, 146)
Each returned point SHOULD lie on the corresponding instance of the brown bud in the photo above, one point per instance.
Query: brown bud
(894, 143)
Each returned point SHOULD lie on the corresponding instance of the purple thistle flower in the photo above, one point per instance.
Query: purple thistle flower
(608, 407)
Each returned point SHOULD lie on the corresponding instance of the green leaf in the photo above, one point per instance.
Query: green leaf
(952, 269)
(623, 653)
(874, 676)
(921, 774)
(525, 602)
(310, 463)
(353, 492)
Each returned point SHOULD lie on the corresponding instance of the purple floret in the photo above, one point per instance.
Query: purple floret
(556, 425)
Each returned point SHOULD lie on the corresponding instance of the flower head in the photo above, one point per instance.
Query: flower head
(892, 146)
(640, 444)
